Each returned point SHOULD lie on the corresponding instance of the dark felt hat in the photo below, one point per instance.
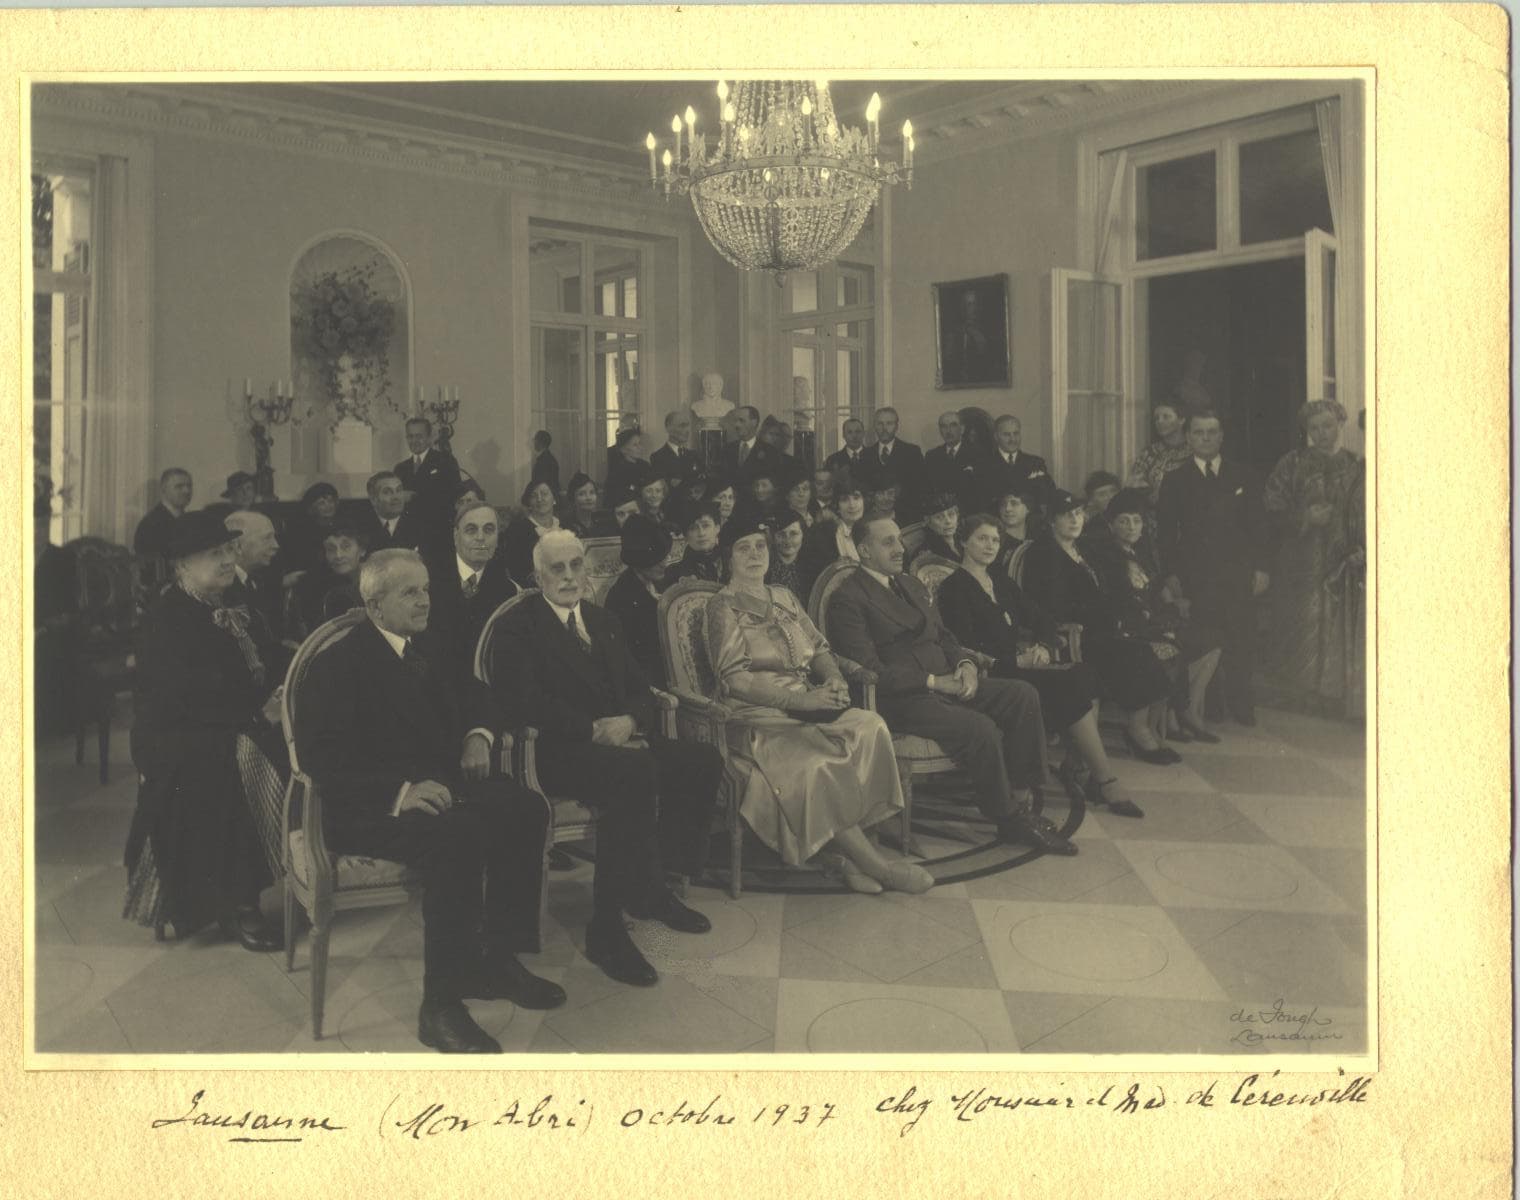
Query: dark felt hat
(746, 520)
(782, 518)
(199, 531)
(695, 511)
(316, 491)
(940, 502)
(1129, 500)
(645, 543)
(236, 480)
(1063, 502)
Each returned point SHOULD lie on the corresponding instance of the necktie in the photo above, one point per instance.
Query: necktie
(952, 452)
(390, 527)
(471, 586)
(417, 460)
(581, 639)
(884, 454)
(412, 659)
(1008, 458)
(1209, 470)
(897, 589)
(743, 453)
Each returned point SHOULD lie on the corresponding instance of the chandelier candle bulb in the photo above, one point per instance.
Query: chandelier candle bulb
(649, 145)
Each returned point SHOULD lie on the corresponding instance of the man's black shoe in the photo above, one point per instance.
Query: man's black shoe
(670, 912)
(610, 948)
(1033, 831)
(249, 929)
(505, 978)
(446, 1026)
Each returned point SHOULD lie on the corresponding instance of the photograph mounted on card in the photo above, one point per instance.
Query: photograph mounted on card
(972, 333)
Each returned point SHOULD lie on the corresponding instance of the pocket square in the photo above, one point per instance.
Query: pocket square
(1037, 474)
(1240, 491)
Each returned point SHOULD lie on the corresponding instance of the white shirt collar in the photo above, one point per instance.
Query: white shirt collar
(397, 642)
(748, 443)
(241, 574)
(1010, 456)
(564, 613)
(886, 446)
(1203, 464)
(675, 446)
(884, 580)
(465, 570)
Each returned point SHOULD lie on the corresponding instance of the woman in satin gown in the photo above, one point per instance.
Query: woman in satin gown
(817, 773)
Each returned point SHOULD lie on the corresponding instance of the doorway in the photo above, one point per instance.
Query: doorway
(1232, 338)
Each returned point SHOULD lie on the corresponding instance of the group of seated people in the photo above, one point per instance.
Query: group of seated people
(400, 735)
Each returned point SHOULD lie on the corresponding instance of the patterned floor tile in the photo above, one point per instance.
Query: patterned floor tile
(672, 1017)
(1305, 820)
(844, 1018)
(1055, 876)
(885, 939)
(1037, 1014)
(1256, 877)
(1291, 957)
(1286, 773)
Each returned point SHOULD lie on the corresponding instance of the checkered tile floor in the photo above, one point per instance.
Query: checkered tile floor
(1242, 887)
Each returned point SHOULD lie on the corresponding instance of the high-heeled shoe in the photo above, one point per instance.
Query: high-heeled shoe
(1069, 776)
(1159, 757)
(1107, 793)
(907, 877)
(857, 880)
(1197, 732)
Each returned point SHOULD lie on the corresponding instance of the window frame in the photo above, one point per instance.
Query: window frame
(829, 414)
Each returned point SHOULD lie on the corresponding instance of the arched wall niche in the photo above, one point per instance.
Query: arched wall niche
(348, 455)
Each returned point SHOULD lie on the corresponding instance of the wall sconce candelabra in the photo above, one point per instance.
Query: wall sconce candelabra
(264, 412)
(442, 411)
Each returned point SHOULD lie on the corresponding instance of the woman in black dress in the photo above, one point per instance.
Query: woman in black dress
(205, 839)
(942, 521)
(1017, 520)
(700, 559)
(829, 539)
(584, 515)
(987, 611)
(523, 531)
(786, 534)
(333, 588)
(1058, 578)
(319, 509)
(1125, 558)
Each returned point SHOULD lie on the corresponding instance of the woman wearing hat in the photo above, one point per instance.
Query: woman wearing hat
(523, 531)
(1016, 524)
(786, 530)
(583, 513)
(634, 597)
(1067, 586)
(205, 839)
(724, 496)
(333, 588)
(942, 520)
(987, 611)
(799, 498)
(816, 771)
(319, 509)
(1125, 558)
(653, 494)
(830, 540)
(700, 560)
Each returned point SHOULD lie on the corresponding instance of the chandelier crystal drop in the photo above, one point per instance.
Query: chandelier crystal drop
(782, 187)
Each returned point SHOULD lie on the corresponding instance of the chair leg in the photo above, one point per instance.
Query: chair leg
(320, 929)
(104, 739)
(735, 847)
(907, 814)
(290, 926)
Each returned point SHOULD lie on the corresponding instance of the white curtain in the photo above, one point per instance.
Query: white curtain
(1327, 116)
(1340, 141)
(1111, 171)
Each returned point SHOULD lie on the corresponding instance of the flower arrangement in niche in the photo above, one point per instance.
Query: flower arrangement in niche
(342, 327)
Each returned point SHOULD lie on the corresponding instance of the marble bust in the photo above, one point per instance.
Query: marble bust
(712, 407)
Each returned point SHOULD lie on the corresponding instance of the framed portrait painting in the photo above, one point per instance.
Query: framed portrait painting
(972, 333)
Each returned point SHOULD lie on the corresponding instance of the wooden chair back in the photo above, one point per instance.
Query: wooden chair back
(931, 570)
(683, 639)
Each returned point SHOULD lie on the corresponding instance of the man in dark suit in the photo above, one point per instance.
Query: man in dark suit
(634, 597)
(892, 457)
(851, 455)
(1010, 468)
(951, 469)
(545, 465)
(257, 586)
(751, 453)
(562, 664)
(432, 478)
(1211, 538)
(470, 586)
(150, 541)
(928, 685)
(403, 760)
(387, 525)
(675, 461)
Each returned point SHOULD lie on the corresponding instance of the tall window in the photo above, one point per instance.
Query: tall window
(589, 330)
(62, 334)
(827, 326)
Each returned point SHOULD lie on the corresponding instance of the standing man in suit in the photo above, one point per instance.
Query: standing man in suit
(751, 453)
(850, 456)
(676, 462)
(952, 468)
(545, 465)
(1211, 538)
(257, 586)
(928, 685)
(150, 541)
(403, 756)
(469, 587)
(1011, 469)
(894, 458)
(562, 664)
(431, 477)
(390, 527)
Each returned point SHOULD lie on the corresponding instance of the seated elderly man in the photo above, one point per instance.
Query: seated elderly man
(256, 585)
(402, 755)
(929, 686)
(564, 665)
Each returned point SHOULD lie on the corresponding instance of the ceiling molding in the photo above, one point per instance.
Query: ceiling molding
(204, 112)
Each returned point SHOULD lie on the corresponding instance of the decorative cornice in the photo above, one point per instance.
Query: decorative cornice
(201, 111)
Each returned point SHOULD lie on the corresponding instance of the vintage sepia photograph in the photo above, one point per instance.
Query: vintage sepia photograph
(507, 578)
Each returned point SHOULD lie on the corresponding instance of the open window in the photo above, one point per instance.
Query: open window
(1091, 409)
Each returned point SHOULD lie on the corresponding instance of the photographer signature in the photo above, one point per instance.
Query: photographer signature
(1280, 1024)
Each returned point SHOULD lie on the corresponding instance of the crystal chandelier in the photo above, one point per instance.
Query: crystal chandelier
(784, 187)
